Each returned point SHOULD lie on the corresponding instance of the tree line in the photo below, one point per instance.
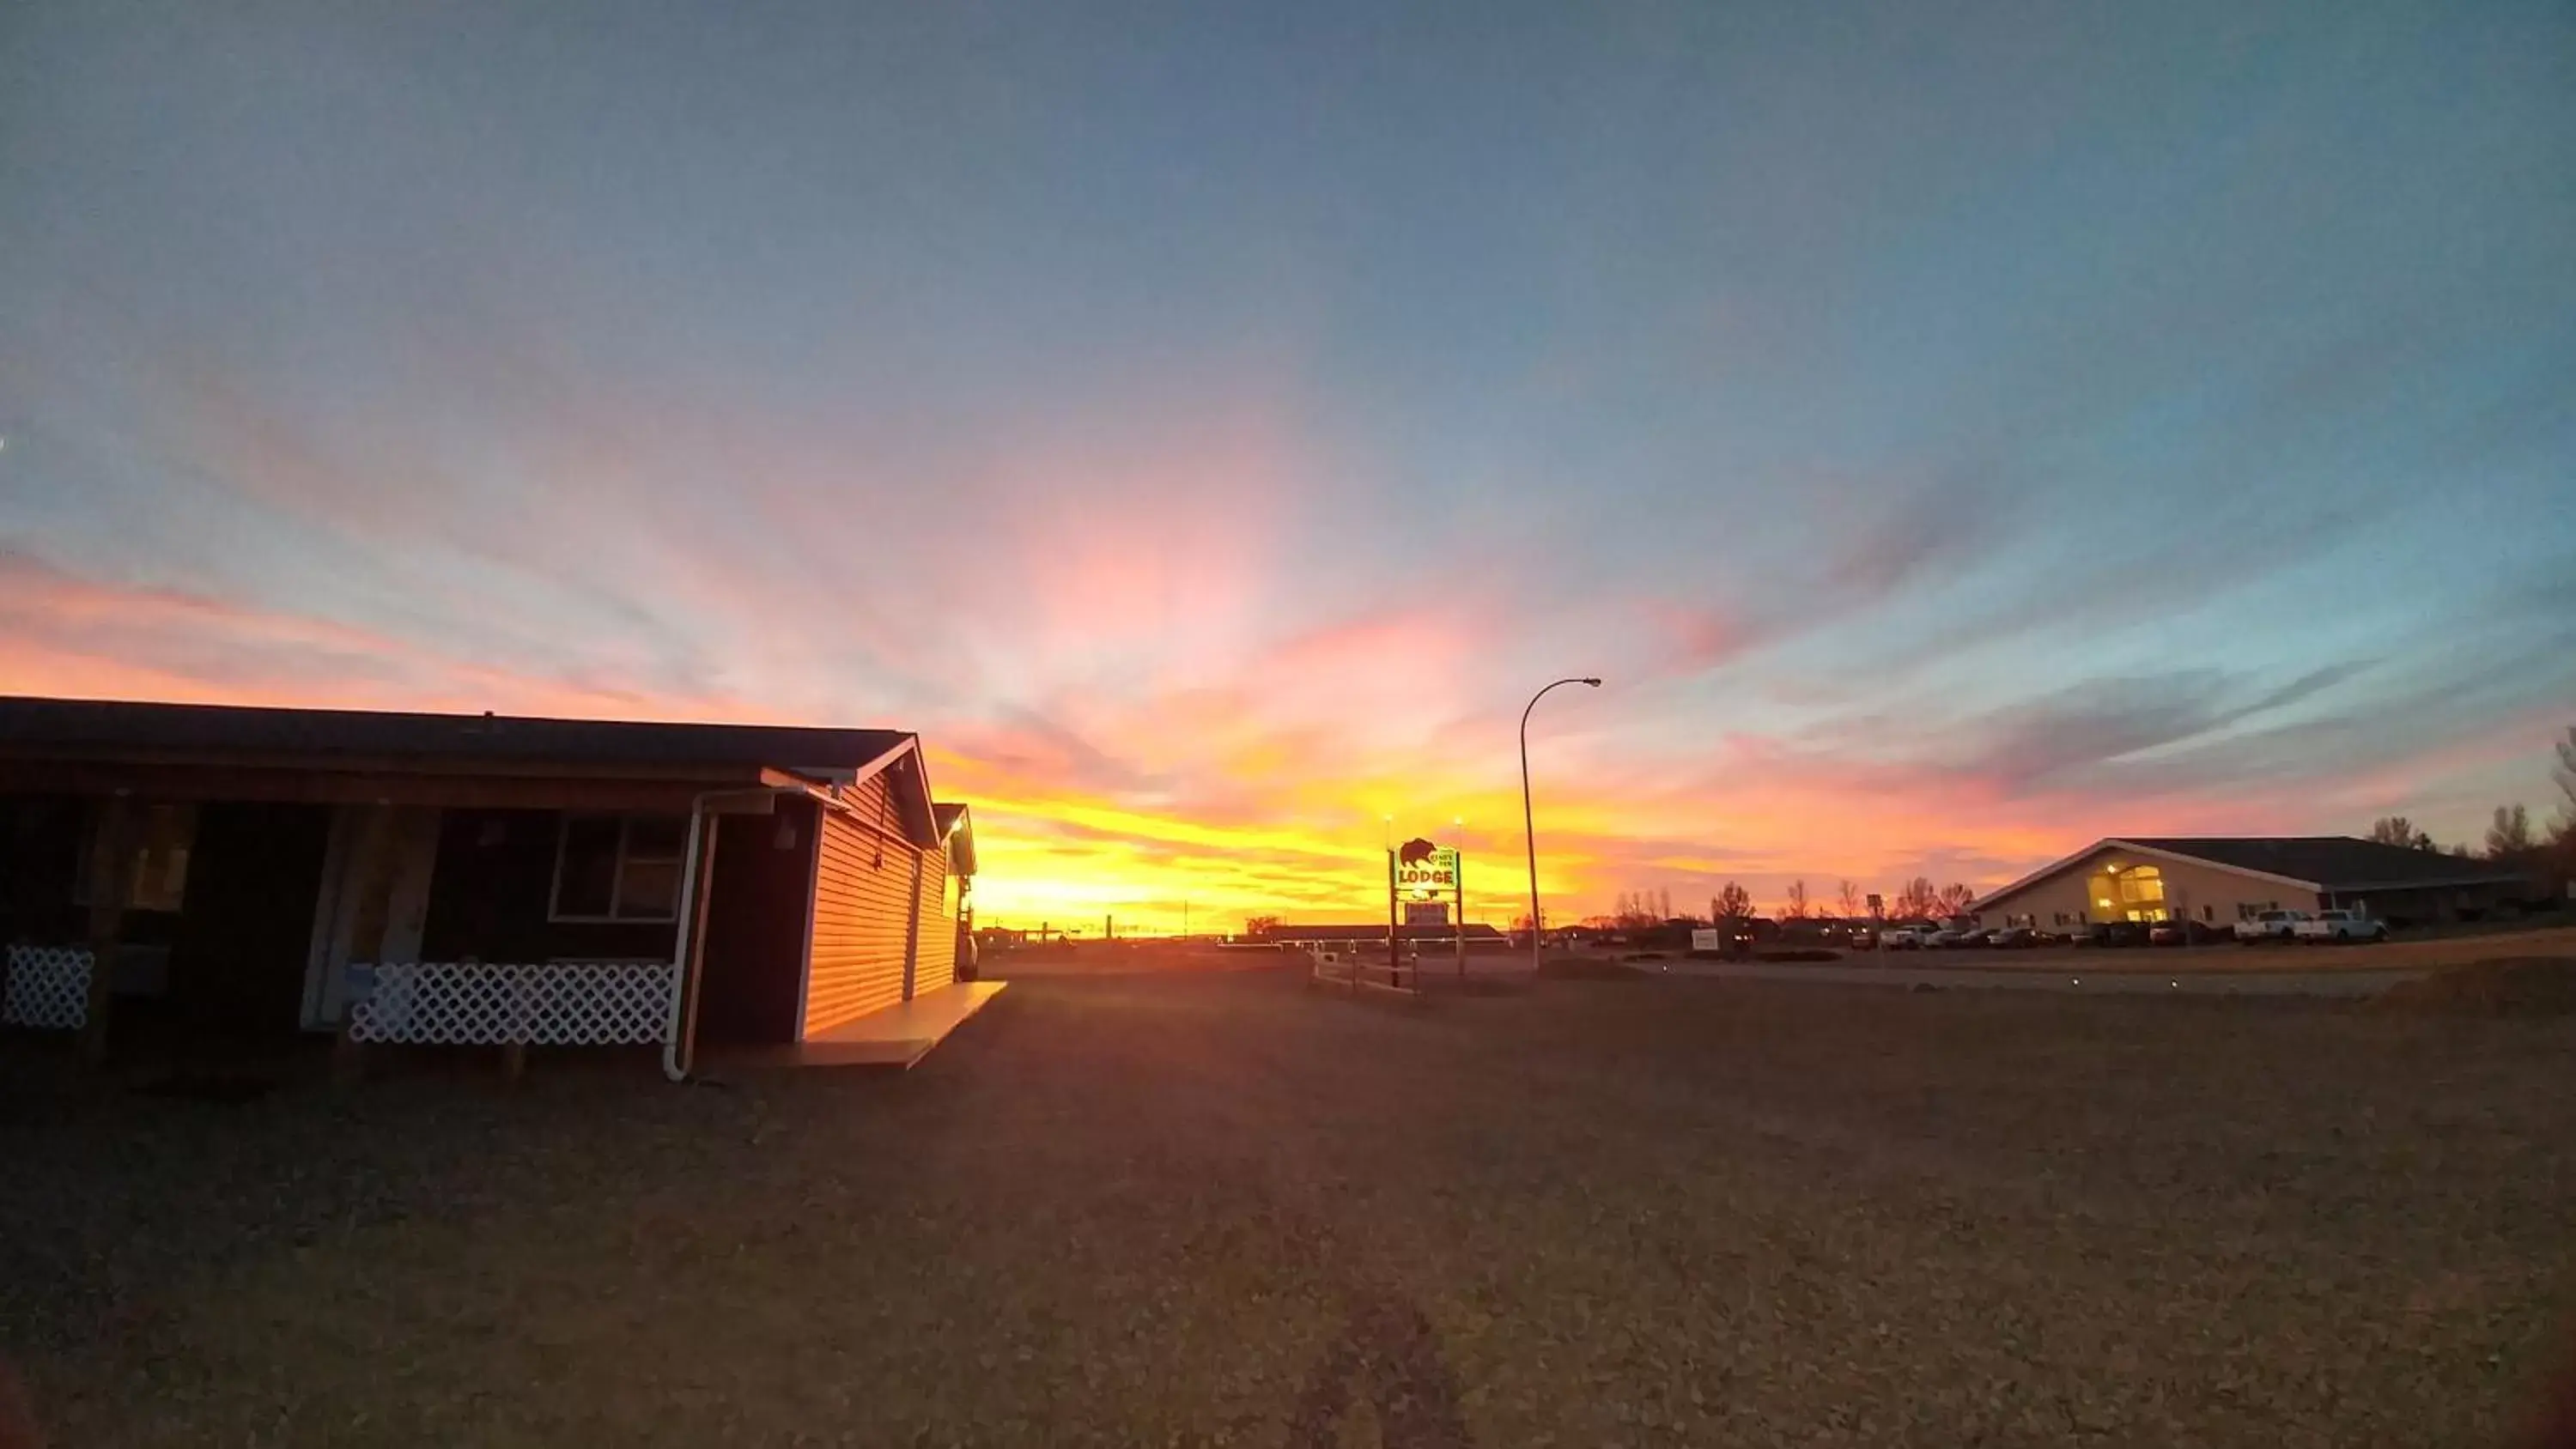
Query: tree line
(1917, 899)
(2510, 837)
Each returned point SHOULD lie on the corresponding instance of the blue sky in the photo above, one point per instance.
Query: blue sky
(1955, 431)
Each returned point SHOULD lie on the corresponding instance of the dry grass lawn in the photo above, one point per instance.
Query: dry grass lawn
(1215, 1209)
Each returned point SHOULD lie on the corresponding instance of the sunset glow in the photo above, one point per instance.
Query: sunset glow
(1200, 528)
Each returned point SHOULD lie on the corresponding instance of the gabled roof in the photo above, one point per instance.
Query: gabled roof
(112, 729)
(2338, 863)
(957, 827)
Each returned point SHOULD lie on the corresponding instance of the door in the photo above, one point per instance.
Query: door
(374, 899)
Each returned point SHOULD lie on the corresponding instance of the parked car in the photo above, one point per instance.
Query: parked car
(2336, 926)
(2120, 933)
(2168, 933)
(2269, 927)
(1902, 938)
(2014, 938)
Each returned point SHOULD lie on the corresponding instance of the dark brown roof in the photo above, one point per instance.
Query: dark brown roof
(99, 728)
(2331, 862)
(2320, 862)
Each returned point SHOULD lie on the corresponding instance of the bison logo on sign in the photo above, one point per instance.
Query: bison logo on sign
(1414, 852)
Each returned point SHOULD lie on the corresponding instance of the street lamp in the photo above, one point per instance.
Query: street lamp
(1529, 831)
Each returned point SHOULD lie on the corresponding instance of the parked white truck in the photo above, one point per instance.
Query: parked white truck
(2340, 926)
(2270, 926)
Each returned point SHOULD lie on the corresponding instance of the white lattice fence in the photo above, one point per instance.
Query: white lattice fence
(470, 1003)
(48, 986)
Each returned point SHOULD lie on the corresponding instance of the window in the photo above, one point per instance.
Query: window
(157, 841)
(2209, 913)
(2145, 884)
(619, 868)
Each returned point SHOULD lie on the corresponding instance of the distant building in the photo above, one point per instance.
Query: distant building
(2222, 880)
(1356, 935)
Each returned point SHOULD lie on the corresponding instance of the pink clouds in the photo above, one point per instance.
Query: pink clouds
(76, 636)
(1238, 797)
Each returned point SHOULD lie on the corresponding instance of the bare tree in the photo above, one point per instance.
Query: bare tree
(1794, 906)
(1734, 903)
(1917, 900)
(1956, 897)
(2399, 831)
(1664, 903)
(1848, 900)
(2564, 777)
(2509, 838)
(1260, 925)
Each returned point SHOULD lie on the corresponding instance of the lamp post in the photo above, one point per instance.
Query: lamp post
(1529, 831)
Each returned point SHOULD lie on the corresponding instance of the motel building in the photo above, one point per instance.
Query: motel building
(195, 875)
(2220, 881)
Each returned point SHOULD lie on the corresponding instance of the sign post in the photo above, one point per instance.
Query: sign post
(1424, 872)
(1394, 932)
(1458, 918)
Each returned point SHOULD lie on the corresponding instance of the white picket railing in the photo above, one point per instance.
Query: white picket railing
(48, 986)
(475, 1003)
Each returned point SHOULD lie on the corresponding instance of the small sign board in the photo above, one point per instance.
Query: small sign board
(1426, 913)
(1707, 940)
(1433, 876)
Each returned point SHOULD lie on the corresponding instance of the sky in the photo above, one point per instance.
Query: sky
(1954, 432)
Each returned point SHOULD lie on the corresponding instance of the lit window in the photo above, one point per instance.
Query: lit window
(2145, 884)
(157, 843)
(619, 868)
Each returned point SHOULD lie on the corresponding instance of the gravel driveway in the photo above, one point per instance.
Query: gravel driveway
(1221, 1210)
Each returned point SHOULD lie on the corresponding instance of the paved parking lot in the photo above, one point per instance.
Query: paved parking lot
(2075, 972)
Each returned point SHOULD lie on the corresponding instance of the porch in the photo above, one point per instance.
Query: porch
(897, 1036)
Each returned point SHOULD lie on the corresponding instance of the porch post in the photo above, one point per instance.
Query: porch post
(912, 930)
(109, 854)
(693, 978)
